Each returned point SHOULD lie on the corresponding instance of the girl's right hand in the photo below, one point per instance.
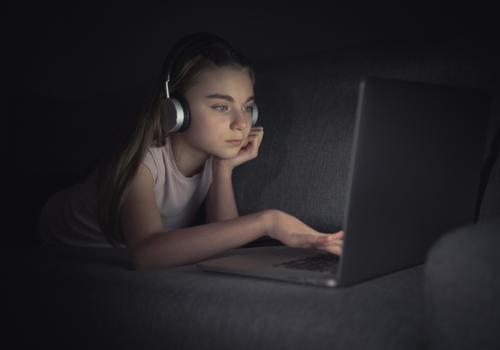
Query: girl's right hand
(294, 233)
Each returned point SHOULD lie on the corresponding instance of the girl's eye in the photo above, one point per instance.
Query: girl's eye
(249, 109)
(220, 108)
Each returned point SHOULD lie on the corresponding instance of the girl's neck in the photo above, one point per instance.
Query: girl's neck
(189, 160)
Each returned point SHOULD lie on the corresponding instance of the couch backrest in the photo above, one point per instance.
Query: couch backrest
(306, 105)
(307, 108)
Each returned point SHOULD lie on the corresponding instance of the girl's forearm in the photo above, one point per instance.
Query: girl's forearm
(221, 204)
(193, 244)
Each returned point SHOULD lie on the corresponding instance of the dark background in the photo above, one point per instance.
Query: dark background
(78, 49)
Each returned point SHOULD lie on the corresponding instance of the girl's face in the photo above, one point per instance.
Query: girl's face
(220, 106)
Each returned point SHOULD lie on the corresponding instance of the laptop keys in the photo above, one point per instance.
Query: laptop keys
(320, 263)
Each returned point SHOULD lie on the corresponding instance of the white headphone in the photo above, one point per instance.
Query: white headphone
(174, 113)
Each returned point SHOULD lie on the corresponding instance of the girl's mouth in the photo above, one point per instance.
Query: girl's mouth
(235, 142)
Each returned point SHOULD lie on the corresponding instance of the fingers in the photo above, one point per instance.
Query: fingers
(256, 134)
(322, 241)
(334, 249)
(254, 140)
(339, 234)
(322, 238)
(333, 236)
(332, 243)
(334, 246)
(328, 240)
(257, 128)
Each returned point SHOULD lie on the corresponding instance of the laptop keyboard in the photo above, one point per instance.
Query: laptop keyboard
(321, 263)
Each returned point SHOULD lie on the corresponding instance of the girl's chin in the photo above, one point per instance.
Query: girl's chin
(227, 154)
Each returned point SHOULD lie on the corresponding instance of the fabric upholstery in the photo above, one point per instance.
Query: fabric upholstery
(90, 298)
(462, 289)
(93, 299)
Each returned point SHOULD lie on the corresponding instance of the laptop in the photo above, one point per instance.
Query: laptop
(414, 175)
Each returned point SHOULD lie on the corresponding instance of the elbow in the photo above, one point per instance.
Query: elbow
(156, 253)
(142, 260)
(138, 263)
(144, 255)
(141, 264)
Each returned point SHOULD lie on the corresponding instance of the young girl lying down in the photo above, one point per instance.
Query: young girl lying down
(195, 130)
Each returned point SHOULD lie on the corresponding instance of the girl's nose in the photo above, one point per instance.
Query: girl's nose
(240, 120)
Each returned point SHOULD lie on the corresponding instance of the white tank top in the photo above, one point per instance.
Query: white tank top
(70, 215)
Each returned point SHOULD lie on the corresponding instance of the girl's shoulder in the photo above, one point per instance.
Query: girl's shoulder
(156, 159)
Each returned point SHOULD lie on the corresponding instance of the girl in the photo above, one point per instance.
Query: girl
(146, 197)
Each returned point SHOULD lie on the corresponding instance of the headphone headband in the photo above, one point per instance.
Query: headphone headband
(195, 42)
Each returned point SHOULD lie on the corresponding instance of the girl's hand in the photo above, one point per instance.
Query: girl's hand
(248, 151)
(294, 233)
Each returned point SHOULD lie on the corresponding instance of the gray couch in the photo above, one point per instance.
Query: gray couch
(75, 298)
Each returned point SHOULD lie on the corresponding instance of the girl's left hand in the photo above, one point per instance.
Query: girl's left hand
(248, 151)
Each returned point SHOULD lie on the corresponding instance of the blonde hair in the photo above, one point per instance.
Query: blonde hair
(114, 176)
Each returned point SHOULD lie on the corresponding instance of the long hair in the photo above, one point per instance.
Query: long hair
(186, 60)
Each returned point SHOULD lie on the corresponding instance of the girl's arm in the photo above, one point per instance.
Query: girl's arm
(220, 203)
(151, 247)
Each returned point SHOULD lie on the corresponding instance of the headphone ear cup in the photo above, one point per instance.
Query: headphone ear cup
(255, 114)
(185, 121)
(174, 114)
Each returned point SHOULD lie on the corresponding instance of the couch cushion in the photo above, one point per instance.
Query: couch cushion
(91, 298)
(462, 289)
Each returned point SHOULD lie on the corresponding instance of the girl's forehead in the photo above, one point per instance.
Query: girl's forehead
(224, 78)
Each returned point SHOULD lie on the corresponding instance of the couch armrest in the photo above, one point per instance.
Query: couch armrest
(462, 289)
